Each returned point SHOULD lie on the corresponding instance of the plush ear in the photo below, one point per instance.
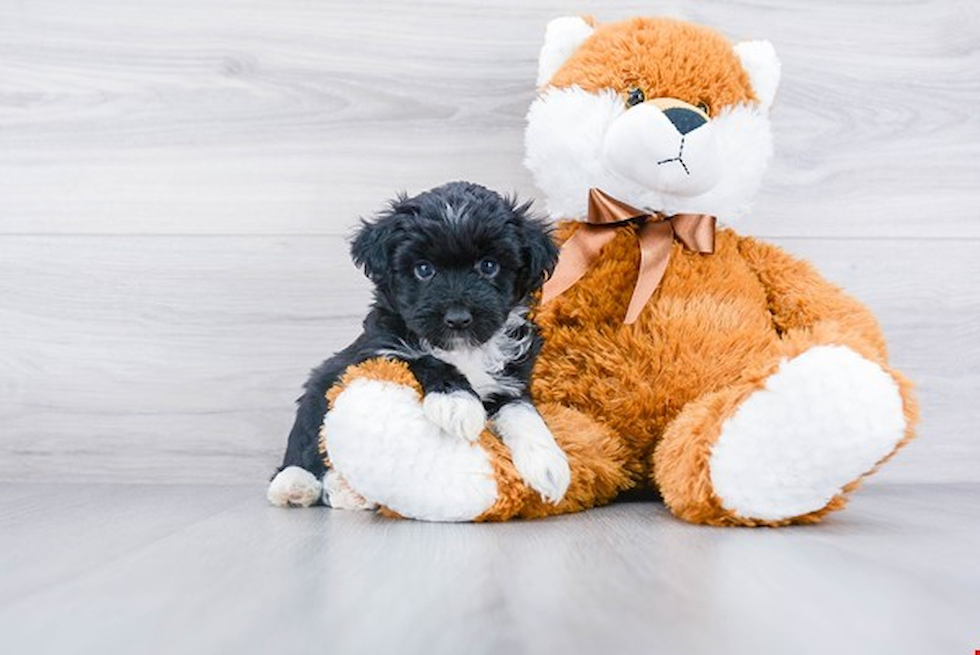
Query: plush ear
(761, 63)
(373, 243)
(562, 37)
(538, 251)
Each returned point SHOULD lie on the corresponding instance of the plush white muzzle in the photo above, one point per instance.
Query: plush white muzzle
(644, 146)
(576, 140)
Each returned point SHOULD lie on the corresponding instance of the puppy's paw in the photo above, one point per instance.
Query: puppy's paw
(544, 467)
(459, 413)
(539, 460)
(294, 487)
(340, 495)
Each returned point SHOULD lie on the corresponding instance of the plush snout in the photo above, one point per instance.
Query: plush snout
(664, 144)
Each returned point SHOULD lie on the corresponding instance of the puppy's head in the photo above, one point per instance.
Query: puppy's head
(454, 261)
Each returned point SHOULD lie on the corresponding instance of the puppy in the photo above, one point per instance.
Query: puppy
(454, 271)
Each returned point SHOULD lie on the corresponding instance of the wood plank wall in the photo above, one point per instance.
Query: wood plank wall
(177, 178)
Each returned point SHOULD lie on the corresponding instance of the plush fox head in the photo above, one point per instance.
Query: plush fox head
(661, 114)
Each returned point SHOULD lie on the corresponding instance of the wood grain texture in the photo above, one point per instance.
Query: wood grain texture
(175, 179)
(178, 358)
(292, 117)
(162, 569)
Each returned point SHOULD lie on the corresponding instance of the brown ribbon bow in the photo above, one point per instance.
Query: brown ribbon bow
(655, 234)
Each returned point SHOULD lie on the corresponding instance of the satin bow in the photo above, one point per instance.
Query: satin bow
(655, 234)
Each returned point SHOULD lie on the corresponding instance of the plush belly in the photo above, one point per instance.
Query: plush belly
(705, 324)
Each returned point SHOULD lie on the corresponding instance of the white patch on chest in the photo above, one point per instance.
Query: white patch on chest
(483, 365)
(482, 369)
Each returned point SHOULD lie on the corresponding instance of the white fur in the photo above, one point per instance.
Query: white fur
(565, 138)
(562, 37)
(381, 442)
(642, 145)
(459, 413)
(823, 419)
(539, 460)
(339, 495)
(763, 67)
(482, 365)
(294, 487)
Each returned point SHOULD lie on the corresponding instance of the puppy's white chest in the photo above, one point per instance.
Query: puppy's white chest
(483, 366)
(472, 363)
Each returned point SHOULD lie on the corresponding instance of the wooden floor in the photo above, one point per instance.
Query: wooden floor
(211, 569)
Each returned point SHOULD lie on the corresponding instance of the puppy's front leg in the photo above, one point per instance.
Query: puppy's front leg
(539, 460)
(449, 401)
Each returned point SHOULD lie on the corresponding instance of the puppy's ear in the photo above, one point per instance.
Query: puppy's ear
(373, 243)
(539, 251)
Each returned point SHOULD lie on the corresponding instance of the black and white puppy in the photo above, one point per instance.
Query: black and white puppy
(454, 269)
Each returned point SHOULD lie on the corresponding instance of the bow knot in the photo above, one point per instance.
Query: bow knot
(655, 233)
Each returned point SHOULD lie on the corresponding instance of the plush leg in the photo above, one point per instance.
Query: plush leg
(786, 443)
(379, 439)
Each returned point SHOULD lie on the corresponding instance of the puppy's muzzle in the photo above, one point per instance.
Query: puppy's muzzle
(457, 318)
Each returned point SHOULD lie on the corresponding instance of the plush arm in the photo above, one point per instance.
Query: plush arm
(801, 301)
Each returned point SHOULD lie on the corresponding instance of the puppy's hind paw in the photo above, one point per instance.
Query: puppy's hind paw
(294, 487)
(459, 413)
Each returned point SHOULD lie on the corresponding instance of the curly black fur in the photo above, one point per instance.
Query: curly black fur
(454, 229)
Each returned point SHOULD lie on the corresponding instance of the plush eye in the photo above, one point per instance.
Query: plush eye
(635, 97)
(703, 106)
(488, 267)
(424, 271)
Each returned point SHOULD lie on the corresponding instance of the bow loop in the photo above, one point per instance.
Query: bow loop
(655, 234)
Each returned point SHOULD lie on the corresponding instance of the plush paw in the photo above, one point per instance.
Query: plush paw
(459, 413)
(338, 494)
(383, 444)
(823, 419)
(294, 487)
(539, 460)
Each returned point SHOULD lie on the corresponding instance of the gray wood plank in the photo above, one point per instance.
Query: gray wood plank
(293, 117)
(178, 358)
(212, 569)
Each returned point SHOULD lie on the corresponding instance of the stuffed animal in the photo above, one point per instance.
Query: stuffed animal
(679, 355)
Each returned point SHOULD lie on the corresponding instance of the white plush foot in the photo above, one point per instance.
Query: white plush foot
(539, 460)
(294, 487)
(340, 495)
(823, 419)
(381, 441)
(459, 413)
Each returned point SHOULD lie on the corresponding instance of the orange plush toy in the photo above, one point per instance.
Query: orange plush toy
(679, 355)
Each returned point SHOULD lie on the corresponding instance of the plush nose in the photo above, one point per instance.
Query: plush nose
(457, 318)
(685, 120)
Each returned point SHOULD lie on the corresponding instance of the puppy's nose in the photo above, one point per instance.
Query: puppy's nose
(457, 318)
(685, 120)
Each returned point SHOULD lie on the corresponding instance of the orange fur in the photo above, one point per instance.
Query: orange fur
(643, 404)
(716, 328)
(674, 59)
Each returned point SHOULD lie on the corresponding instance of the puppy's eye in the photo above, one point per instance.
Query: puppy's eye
(703, 106)
(635, 97)
(424, 271)
(488, 267)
